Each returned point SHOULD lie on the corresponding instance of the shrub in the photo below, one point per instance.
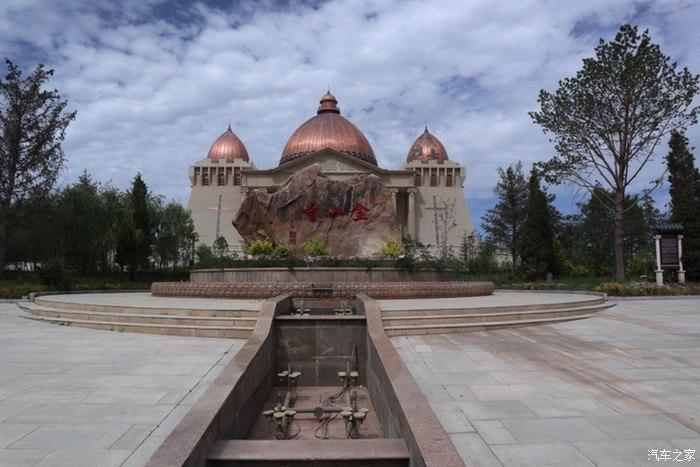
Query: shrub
(316, 247)
(640, 264)
(393, 249)
(283, 250)
(642, 289)
(52, 273)
(260, 247)
(205, 257)
(576, 270)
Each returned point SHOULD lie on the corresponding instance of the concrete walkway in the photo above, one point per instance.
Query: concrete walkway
(600, 391)
(73, 397)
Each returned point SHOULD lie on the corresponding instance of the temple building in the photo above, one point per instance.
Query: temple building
(428, 191)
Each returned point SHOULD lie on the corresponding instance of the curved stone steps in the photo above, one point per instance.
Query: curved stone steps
(412, 318)
(77, 306)
(137, 318)
(492, 309)
(478, 326)
(240, 332)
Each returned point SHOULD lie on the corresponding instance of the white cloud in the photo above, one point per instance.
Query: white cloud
(153, 93)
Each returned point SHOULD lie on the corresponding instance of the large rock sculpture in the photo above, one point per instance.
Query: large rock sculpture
(354, 217)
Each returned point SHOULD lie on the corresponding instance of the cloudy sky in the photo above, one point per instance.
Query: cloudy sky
(155, 82)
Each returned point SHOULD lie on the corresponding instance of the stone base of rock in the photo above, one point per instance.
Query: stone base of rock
(377, 290)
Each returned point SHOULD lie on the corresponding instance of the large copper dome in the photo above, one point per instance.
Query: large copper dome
(427, 147)
(228, 147)
(328, 129)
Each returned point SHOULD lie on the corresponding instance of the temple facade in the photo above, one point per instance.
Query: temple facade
(428, 191)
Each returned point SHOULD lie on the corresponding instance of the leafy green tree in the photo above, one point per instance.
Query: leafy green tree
(220, 248)
(685, 198)
(503, 222)
(205, 257)
(175, 235)
(79, 225)
(536, 238)
(33, 122)
(607, 120)
(591, 241)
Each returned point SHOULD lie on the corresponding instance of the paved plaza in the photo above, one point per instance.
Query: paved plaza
(74, 396)
(599, 391)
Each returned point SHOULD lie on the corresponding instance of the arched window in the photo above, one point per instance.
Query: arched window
(433, 179)
(417, 179)
(448, 180)
(205, 178)
(220, 181)
(237, 179)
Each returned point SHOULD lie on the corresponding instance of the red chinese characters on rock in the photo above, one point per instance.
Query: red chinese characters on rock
(334, 212)
(312, 212)
(360, 212)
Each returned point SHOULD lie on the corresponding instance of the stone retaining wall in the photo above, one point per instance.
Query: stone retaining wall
(376, 290)
(321, 274)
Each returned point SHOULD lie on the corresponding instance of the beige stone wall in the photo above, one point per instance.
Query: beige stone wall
(204, 200)
(428, 197)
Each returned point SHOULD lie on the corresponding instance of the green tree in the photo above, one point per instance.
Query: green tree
(607, 120)
(685, 198)
(79, 225)
(175, 235)
(503, 222)
(220, 248)
(33, 122)
(592, 231)
(136, 234)
(205, 257)
(536, 238)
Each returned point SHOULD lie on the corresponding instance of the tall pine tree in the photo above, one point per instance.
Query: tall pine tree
(536, 239)
(503, 222)
(136, 235)
(685, 199)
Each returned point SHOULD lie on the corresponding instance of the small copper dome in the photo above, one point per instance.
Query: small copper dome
(328, 129)
(229, 147)
(427, 147)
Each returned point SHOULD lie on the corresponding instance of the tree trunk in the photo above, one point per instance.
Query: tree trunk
(619, 235)
(4, 236)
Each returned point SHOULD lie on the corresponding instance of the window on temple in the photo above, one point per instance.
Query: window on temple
(205, 179)
(417, 179)
(237, 179)
(221, 179)
(433, 179)
(448, 180)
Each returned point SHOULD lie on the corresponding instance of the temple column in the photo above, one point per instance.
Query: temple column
(412, 213)
(394, 192)
(659, 272)
(681, 272)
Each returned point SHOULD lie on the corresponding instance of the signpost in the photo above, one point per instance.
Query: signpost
(668, 239)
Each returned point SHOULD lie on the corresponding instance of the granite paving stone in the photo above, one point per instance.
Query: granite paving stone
(74, 396)
(597, 391)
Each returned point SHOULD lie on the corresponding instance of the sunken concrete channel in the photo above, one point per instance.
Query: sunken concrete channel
(318, 383)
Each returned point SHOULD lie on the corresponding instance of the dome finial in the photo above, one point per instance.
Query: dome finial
(328, 103)
(229, 125)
